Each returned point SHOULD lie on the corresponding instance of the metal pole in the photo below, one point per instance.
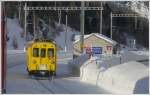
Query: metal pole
(82, 26)
(25, 22)
(101, 19)
(135, 23)
(34, 24)
(111, 25)
(120, 59)
(19, 11)
(59, 17)
(66, 33)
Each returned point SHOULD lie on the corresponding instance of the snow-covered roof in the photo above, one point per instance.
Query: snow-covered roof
(97, 35)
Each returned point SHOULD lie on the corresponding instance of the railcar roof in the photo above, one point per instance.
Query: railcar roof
(30, 43)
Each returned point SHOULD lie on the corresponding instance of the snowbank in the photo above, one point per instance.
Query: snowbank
(123, 78)
(127, 78)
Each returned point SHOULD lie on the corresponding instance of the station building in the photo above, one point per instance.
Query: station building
(94, 43)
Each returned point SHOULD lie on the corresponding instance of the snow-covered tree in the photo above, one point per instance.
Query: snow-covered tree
(14, 42)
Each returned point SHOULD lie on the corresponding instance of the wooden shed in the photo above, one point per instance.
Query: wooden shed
(93, 41)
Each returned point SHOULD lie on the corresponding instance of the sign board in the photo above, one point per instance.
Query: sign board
(97, 50)
(94, 51)
(88, 50)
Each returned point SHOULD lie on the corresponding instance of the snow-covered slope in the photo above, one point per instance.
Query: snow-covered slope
(14, 32)
(65, 38)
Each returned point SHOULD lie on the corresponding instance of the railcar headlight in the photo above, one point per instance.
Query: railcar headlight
(34, 61)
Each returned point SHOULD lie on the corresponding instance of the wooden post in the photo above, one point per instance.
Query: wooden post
(3, 47)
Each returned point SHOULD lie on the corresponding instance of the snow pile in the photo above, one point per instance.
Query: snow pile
(124, 78)
(14, 31)
(127, 78)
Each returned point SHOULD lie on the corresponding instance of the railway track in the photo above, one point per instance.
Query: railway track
(61, 87)
(46, 87)
(14, 65)
(55, 87)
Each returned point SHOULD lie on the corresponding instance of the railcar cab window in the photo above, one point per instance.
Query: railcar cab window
(43, 52)
(35, 52)
(50, 52)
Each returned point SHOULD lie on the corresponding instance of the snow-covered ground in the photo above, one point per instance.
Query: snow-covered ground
(18, 81)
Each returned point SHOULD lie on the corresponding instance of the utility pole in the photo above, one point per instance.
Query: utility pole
(135, 24)
(59, 12)
(66, 32)
(34, 24)
(82, 26)
(111, 25)
(25, 22)
(20, 11)
(101, 19)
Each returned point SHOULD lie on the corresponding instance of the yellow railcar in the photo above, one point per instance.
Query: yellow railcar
(41, 58)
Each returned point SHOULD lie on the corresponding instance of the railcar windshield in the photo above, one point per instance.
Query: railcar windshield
(50, 52)
(35, 52)
(43, 52)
